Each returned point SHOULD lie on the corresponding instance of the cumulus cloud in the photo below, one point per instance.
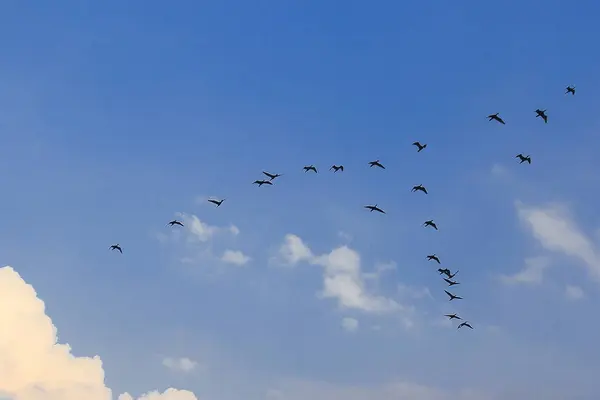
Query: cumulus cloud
(293, 250)
(350, 324)
(34, 366)
(532, 272)
(235, 257)
(203, 232)
(574, 292)
(183, 364)
(556, 231)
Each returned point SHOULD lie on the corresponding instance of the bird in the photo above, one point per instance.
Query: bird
(216, 202)
(271, 176)
(430, 223)
(570, 89)
(175, 222)
(450, 282)
(262, 182)
(450, 275)
(419, 187)
(542, 113)
(376, 163)
(496, 117)
(116, 247)
(444, 271)
(309, 168)
(375, 208)
(452, 297)
(420, 146)
(452, 316)
(337, 168)
(466, 323)
(433, 257)
(523, 158)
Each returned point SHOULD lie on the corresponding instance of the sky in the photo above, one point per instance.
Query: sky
(117, 117)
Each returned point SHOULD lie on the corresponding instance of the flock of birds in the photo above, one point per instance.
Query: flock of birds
(449, 276)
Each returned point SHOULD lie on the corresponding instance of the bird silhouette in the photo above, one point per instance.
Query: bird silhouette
(376, 163)
(452, 316)
(175, 222)
(542, 113)
(433, 257)
(420, 146)
(450, 275)
(523, 158)
(419, 187)
(271, 176)
(496, 117)
(262, 182)
(216, 202)
(309, 168)
(337, 168)
(375, 208)
(466, 323)
(570, 89)
(116, 247)
(431, 224)
(452, 297)
(445, 271)
(450, 282)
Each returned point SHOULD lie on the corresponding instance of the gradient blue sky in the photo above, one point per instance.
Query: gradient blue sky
(115, 116)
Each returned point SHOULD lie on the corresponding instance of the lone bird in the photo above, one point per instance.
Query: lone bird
(420, 146)
(523, 158)
(310, 168)
(337, 168)
(466, 323)
(433, 257)
(542, 113)
(216, 202)
(271, 176)
(496, 117)
(116, 247)
(570, 89)
(419, 187)
(444, 271)
(450, 282)
(175, 222)
(262, 182)
(376, 163)
(452, 316)
(431, 224)
(452, 297)
(375, 208)
(450, 275)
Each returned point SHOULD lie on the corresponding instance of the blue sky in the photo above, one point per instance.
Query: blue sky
(116, 117)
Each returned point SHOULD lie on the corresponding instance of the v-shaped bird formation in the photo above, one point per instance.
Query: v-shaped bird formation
(446, 273)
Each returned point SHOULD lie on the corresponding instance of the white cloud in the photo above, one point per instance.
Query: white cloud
(183, 364)
(413, 292)
(34, 366)
(201, 231)
(235, 257)
(350, 324)
(380, 269)
(532, 273)
(554, 228)
(293, 250)
(574, 292)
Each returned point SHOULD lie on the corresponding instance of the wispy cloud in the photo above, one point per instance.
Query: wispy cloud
(183, 364)
(235, 257)
(532, 272)
(574, 292)
(350, 324)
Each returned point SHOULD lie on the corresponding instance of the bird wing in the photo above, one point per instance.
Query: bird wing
(447, 280)
(424, 190)
(342, 168)
(448, 293)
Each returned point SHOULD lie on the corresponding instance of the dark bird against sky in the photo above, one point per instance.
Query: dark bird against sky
(452, 297)
(271, 176)
(431, 224)
(216, 202)
(175, 222)
(116, 247)
(337, 168)
(541, 113)
(495, 117)
(310, 168)
(375, 208)
(420, 146)
(262, 182)
(523, 158)
(433, 257)
(376, 163)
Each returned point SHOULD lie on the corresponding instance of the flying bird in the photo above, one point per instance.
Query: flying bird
(433, 257)
(337, 168)
(570, 89)
(452, 316)
(450, 276)
(523, 158)
(466, 323)
(496, 117)
(420, 146)
(444, 271)
(175, 222)
(542, 113)
(376, 163)
(262, 182)
(452, 297)
(116, 247)
(271, 176)
(450, 282)
(419, 187)
(430, 223)
(309, 168)
(216, 202)
(375, 208)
